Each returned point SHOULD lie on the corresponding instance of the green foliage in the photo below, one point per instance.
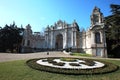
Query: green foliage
(115, 8)
(74, 64)
(18, 70)
(50, 60)
(68, 59)
(113, 31)
(109, 67)
(112, 23)
(81, 54)
(88, 62)
(10, 37)
(59, 63)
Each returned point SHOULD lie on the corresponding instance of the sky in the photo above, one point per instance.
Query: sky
(40, 13)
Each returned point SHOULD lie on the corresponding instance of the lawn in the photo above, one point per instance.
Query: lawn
(81, 54)
(18, 70)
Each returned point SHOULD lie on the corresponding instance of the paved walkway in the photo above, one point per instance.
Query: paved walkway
(12, 56)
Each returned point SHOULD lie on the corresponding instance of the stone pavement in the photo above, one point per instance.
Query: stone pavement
(20, 56)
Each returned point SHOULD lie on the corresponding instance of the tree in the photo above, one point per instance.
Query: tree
(113, 30)
(115, 9)
(10, 37)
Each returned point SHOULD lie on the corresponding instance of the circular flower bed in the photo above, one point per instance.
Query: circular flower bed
(71, 65)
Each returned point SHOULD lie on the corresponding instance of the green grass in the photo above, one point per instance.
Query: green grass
(18, 70)
(68, 59)
(81, 54)
(106, 69)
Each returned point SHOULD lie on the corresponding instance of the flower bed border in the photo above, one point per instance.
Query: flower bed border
(109, 67)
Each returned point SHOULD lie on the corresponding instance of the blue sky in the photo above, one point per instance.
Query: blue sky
(40, 13)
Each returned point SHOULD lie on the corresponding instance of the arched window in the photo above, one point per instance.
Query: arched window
(97, 37)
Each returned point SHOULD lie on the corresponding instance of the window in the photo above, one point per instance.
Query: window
(28, 43)
(95, 19)
(97, 37)
(23, 42)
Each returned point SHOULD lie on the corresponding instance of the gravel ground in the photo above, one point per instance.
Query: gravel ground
(20, 56)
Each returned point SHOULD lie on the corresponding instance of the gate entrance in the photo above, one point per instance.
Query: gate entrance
(59, 42)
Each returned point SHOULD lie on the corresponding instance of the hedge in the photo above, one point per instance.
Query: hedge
(109, 67)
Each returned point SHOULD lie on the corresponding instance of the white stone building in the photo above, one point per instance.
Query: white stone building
(62, 35)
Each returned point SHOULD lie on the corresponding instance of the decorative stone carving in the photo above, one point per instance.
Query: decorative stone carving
(62, 35)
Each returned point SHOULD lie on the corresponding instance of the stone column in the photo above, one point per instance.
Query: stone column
(101, 37)
(93, 45)
(99, 16)
(66, 38)
(51, 39)
(72, 38)
(75, 39)
(92, 38)
(48, 40)
(25, 44)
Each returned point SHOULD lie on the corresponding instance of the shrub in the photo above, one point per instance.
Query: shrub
(44, 60)
(59, 64)
(74, 64)
(50, 60)
(68, 49)
(88, 62)
(109, 67)
(68, 59)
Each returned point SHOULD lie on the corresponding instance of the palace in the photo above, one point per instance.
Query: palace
(62, 35)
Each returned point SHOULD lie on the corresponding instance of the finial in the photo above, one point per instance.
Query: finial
(14, 22)
(21, 26)
(74, 20)
(47, 26)
(96, 9)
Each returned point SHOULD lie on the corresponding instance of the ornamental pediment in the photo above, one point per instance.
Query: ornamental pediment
(96, 27)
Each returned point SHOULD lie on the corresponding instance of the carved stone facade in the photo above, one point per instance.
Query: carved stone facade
(62, 35)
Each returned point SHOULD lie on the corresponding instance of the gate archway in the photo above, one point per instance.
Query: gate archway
(59, 42)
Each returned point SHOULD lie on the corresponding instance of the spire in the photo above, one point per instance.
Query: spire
(28, 26)
(96, 9)
(13, 22)
(74, 23)
(96, 17)
(75, 20)
(21, 26)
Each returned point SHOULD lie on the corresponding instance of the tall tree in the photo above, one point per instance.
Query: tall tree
(10, 37)
(113, 30)
(115, 9)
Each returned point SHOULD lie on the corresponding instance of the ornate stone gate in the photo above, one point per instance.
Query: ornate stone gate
(59, 42)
